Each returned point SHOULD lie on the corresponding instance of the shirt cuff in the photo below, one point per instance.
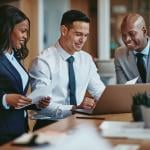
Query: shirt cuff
(6, 106)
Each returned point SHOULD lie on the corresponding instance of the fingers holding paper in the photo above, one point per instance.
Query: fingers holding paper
(44, 102)
(17, 100)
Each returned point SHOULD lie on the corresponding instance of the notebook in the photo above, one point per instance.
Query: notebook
(116, 99)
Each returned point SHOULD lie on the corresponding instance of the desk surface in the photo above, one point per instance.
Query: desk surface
(70, 122)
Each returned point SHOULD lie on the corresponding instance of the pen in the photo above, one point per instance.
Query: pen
(82, 117)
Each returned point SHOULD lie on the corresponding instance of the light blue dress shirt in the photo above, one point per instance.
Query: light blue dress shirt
(145, 53)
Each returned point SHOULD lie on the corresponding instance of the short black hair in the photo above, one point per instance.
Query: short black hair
(9, 17)
(74, 15)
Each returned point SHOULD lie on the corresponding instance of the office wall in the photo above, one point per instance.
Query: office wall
(30, 7)
(90, 8)
(53, 10)
(47, 21)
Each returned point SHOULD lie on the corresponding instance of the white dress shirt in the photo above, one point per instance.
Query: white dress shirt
(51, 67)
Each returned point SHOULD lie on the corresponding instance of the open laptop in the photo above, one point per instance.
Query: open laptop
(116, 99)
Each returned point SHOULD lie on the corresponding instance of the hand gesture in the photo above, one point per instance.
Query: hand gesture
(44, 102)
(87, 103)
(17, 100)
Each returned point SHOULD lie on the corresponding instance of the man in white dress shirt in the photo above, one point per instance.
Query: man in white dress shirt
(51, 66)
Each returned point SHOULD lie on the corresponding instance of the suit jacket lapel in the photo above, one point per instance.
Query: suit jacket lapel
(132, 65)
(148, 67)
(13, 71)
(27, 85)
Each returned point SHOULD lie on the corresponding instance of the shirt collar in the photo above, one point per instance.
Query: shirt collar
(9, 56)
(65, 55)
(145, 51)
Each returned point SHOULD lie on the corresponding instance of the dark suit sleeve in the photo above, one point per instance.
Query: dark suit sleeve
(1, 97)
(32, 107)
(121, 77)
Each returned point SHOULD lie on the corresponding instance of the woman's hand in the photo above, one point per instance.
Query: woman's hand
(44, 102)
(17, 100)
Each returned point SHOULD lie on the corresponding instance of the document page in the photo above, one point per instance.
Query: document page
(39, 93)
(133, 81)
(121, 129)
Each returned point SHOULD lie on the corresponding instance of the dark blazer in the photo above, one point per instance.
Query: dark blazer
(125, 66)
(12, 122)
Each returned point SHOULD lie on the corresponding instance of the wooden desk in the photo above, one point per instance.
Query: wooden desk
(70, 122)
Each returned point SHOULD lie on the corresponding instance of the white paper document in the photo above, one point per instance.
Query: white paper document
(119, 129)
(39, 93)
(133, 81)
(127, 147)
(110, 125)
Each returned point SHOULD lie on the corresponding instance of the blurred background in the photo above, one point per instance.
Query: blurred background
(105, 37)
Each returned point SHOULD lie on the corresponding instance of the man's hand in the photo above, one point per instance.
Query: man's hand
(44, 102)
(17, 100)
(88, 103)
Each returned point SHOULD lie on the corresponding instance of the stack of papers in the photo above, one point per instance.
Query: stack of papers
(119, 129)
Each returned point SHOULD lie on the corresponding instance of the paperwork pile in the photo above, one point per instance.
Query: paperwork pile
(120, 129)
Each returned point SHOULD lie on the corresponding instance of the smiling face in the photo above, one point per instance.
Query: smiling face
(134, 34)
(19, 35)
(73, 38)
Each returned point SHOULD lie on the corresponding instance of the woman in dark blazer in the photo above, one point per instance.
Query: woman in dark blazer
(14, 80)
